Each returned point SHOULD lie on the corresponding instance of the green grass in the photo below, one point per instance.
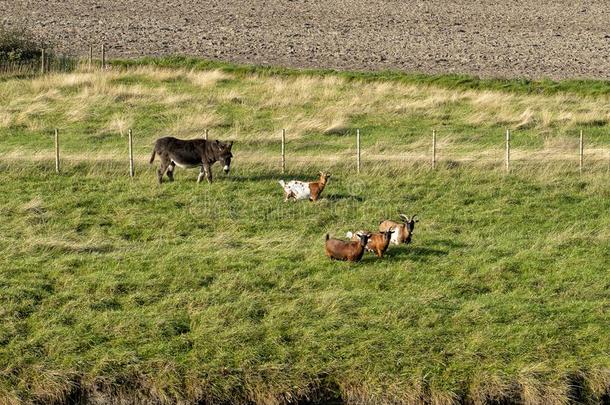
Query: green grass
(118, 288)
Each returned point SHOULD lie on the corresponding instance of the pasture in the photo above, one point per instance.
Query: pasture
(116, 288)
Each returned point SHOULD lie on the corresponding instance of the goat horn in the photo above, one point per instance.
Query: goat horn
(403, 216)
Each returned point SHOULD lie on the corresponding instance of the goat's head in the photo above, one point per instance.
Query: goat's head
(364, 237)
(324, 177)
(409, 226)
(387, 235)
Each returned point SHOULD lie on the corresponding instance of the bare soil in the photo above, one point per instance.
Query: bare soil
(548, 38)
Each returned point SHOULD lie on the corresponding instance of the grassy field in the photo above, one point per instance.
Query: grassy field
(118, 288)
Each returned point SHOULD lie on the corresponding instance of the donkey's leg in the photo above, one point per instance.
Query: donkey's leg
(201, 174)
(165, 162)
(208, 173)
(170, 171)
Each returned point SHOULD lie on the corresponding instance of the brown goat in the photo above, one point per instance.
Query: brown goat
(404, 230)
(341, 250)
(378, 242)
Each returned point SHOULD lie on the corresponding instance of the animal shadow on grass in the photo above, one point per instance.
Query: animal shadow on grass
(340, 197)
(417, 253)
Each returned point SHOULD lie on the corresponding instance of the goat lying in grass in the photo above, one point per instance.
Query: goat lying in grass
(378, 242)
(301, 190)
(404, 230)
(351, 251)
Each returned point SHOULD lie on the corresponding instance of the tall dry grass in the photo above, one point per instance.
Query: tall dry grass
(302, 104)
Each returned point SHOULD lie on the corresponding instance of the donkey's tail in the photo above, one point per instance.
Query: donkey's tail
(152, 157)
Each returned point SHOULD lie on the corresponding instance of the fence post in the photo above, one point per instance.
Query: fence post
(42, 59)
(90, 56)
(434, 149)
(56, 151)
(283, 151)
(131, 168)
(103, 56)
(581, 152)
(358, 150)
(507, 150)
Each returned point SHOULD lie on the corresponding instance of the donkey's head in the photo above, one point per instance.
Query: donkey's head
(225, 155)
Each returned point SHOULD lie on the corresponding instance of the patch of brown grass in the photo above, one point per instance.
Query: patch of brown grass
(207, 79)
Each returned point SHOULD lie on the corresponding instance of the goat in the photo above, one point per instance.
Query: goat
(341, 250)
(404, 230)
(378, 242)
(301, 190)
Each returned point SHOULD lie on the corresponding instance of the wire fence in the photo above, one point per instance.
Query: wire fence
(50, 61)
(46, 63)
(505, 158)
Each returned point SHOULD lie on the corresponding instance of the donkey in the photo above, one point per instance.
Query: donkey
(191, 153)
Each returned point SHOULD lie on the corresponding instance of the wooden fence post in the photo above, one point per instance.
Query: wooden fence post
(283, 151)
(581, 152)
(434, 149)
(507, 151)
(358, 150)
(42, 60)
(131, 168)
(90, 56)
(103, 56)
(56, 151)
